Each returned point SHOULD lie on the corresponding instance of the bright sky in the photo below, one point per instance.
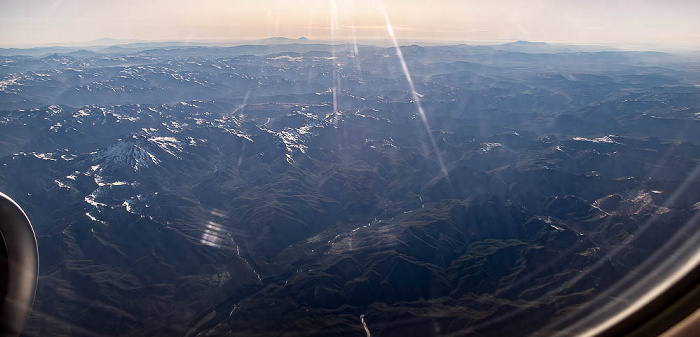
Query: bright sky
(627, 22)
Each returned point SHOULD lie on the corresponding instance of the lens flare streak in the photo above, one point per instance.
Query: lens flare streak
(414, 94)
(336, 81)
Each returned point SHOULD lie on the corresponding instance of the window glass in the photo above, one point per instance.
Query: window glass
(359, 168)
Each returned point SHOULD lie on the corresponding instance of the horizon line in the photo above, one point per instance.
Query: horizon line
(230, 42)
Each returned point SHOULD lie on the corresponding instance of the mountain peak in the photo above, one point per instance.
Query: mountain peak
(138, 152)
(131, 152)
(525, 43)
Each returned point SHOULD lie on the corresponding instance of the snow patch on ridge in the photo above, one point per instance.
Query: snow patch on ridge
(607, 139)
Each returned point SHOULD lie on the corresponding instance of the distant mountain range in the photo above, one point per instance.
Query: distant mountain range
(111, 46)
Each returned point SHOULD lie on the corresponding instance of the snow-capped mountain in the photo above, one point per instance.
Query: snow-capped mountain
(137, 152)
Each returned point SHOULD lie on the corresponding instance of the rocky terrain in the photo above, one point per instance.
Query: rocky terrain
(307, 190)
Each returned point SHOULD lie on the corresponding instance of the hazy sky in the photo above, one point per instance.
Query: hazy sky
(628, 22)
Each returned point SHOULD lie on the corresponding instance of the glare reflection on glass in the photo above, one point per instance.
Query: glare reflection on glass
(213, 235)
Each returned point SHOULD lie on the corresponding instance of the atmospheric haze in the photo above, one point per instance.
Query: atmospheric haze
(630, 23)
